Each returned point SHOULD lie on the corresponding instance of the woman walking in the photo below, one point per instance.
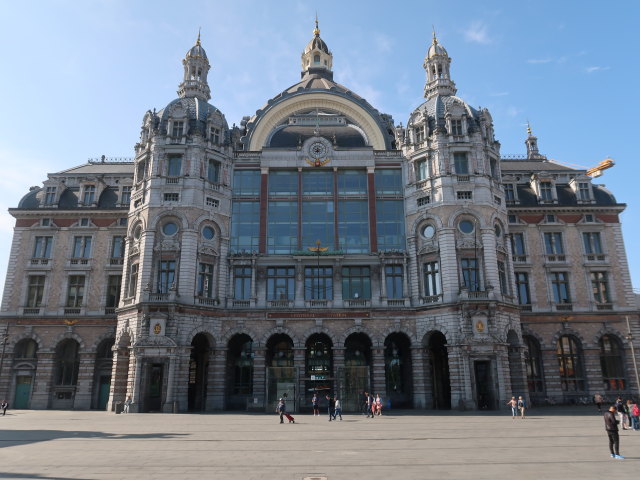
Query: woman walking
(514, 406)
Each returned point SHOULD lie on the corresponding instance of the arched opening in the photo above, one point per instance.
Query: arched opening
(398, 370)
(25, 359)
(121, 356)
(318, 365)
(281, 373)
(239, 371)
(612, 364)
(533, 365)
(515, 364)
(198, 373)
(355, 377)
(570, 364)
(102, 374)
(66, 366)
(439, 363)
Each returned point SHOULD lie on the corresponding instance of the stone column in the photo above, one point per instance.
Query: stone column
(186, 279)
(119, 377)
(40, 396)
(181, 380)
(260, 376)
(217, 379)
(490, 263)
(168, 406)
(299, 360)
(84, 386)
(419, 378)
(449, 265)
(378, 381)
(338, 370)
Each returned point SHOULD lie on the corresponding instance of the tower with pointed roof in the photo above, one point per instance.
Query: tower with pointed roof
(196, 67)
(436, 64)
(316, 57)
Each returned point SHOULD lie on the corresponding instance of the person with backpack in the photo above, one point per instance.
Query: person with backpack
(521, 406)
(634, 413)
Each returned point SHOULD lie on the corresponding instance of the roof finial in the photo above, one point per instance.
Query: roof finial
(435, 40)
(529, 128)
(316, 31)
(198, 41)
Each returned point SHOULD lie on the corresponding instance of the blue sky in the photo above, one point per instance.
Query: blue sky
(78, 76)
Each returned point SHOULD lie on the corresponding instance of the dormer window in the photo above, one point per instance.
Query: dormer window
(177, 129)
(584, 191)
(316, 59)
(420, 136)
(50, 196)
(456, 127)
(214, 135)
(509, 192)
(89, 195)
(546, 191)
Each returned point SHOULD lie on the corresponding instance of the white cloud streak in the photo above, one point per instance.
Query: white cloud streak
(478, 32)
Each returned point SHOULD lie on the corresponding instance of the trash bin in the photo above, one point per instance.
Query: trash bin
(119, 407)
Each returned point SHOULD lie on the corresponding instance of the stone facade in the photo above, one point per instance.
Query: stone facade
(317, 248)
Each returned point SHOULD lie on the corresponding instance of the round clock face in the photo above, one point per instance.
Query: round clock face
(317, 150)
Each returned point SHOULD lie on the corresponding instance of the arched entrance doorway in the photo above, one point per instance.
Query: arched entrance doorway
(198, 373)
(67, 362)
(355, 377)
(25, 363)
(239, 371)
(281, 373)
(102, 374)
(439, 363)
(318, 366)
(397, 370)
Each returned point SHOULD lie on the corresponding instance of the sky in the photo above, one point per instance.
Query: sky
(78, 76)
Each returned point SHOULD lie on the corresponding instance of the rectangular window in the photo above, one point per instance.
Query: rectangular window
(560, 287)
(177, 129)
(550, 218)
(114, 284)
(171, 197)
(422, 169)
(314, 182)
(242, 283)
(456, 127)
(390, 224)
(422, 201)
(246, 183)
(212, 202)
(600, 287)
(493, 167)
(352, 183)
(420, 134)
(81, 247)
(284, 183)
(205, 280)
(280, 283)
(470, 274)
(388, 181)
(432, 279)
(89, 195)
(318, 283)
(166, 275)
(133, 280)
(213, 171)
(42, 247)
(141, 170)
(518, 245)
(214, 135)
(75, 292)
(509, 192)
(522, 285)
(461, 163)
(245, 226)
(318, 223)
(50, 196)
(36, 291)
(117, 247)
(553, 243)
(174, 165)
(592, 243)
(394, 281)
(584, 192)
(545, 191)
(356, 283)
(353, 226)
(465, 195)
(282, 227)
(125, 197)
(502, 277)
(513, 218)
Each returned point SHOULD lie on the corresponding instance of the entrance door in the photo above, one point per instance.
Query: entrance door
(154, 390)
(282, 381)
(484, 385)
(23, 392)
(352, 381)
(103, 391)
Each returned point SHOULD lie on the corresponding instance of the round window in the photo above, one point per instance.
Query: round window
(466, 226)
(498, 230)
(428, 231)
(137, 232)
(169, 229)
(208, 233)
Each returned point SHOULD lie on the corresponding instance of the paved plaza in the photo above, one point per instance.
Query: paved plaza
(552, 443)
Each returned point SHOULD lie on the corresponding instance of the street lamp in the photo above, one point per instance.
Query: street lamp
(317, 249)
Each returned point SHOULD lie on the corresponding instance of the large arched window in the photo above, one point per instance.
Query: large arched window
(612, 364)
(26, 348)
(533, 363)
(67, 362)
(570, 364)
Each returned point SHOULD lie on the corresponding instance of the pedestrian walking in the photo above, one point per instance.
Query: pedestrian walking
(4, 405)
(330, 406)
(370, 402)
(314, 404)
(337, 409)
(621, 409)
(127, 404)
(282, 406)
(364, 402)
(597, 399)
(514, 406)
(635, 416)
(378, 405)
(521, 406)
(611, 426)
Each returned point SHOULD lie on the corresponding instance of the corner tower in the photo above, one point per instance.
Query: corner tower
(316, 57)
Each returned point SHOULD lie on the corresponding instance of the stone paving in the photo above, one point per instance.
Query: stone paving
(552, 443)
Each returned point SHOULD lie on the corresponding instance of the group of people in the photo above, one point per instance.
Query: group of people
(517, 406)
(371, 405)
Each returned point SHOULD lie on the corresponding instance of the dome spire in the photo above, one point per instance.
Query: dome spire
(316, 57)
(196, 67)
(532, 143)
(437, 63)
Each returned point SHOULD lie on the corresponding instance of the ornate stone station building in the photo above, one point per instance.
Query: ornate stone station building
(318, 247)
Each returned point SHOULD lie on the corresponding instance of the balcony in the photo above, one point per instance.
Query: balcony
(40, 261)
(158, 297)
(431, 299)
(208, 301)
(79, 261)
(595, 257)
(110, 310)
(280, 303)
(396, 302)
(519, 258)
(564, 307)
(116, 261)
(240, 303)
(357, 302)
(463, 178)
(31, 311)
(556, 258)
(604, 306)
(172, 180)
(318, 303)
(479, 295)
(525, 308)
(72, 311)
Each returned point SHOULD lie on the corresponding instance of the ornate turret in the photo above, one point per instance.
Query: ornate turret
(316, 57)
(436, 64)
(196, 68)
(532, 144)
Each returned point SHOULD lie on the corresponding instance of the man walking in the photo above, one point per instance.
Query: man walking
(4, 407)
(611, 426)
(337, 412)
(330, 406)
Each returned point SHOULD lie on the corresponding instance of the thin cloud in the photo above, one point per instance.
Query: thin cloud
(478, 32)
(596, 68)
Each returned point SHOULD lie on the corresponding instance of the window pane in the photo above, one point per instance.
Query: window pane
(353, 226)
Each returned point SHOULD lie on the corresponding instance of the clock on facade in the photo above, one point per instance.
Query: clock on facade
(317, 150)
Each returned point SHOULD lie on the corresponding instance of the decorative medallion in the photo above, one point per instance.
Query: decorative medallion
(318, 153)
(157, 328)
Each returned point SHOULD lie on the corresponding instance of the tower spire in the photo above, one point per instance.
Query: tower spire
(196, 67)
(532, 143)
(437, 63)
(316, 31)
(316, 57)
